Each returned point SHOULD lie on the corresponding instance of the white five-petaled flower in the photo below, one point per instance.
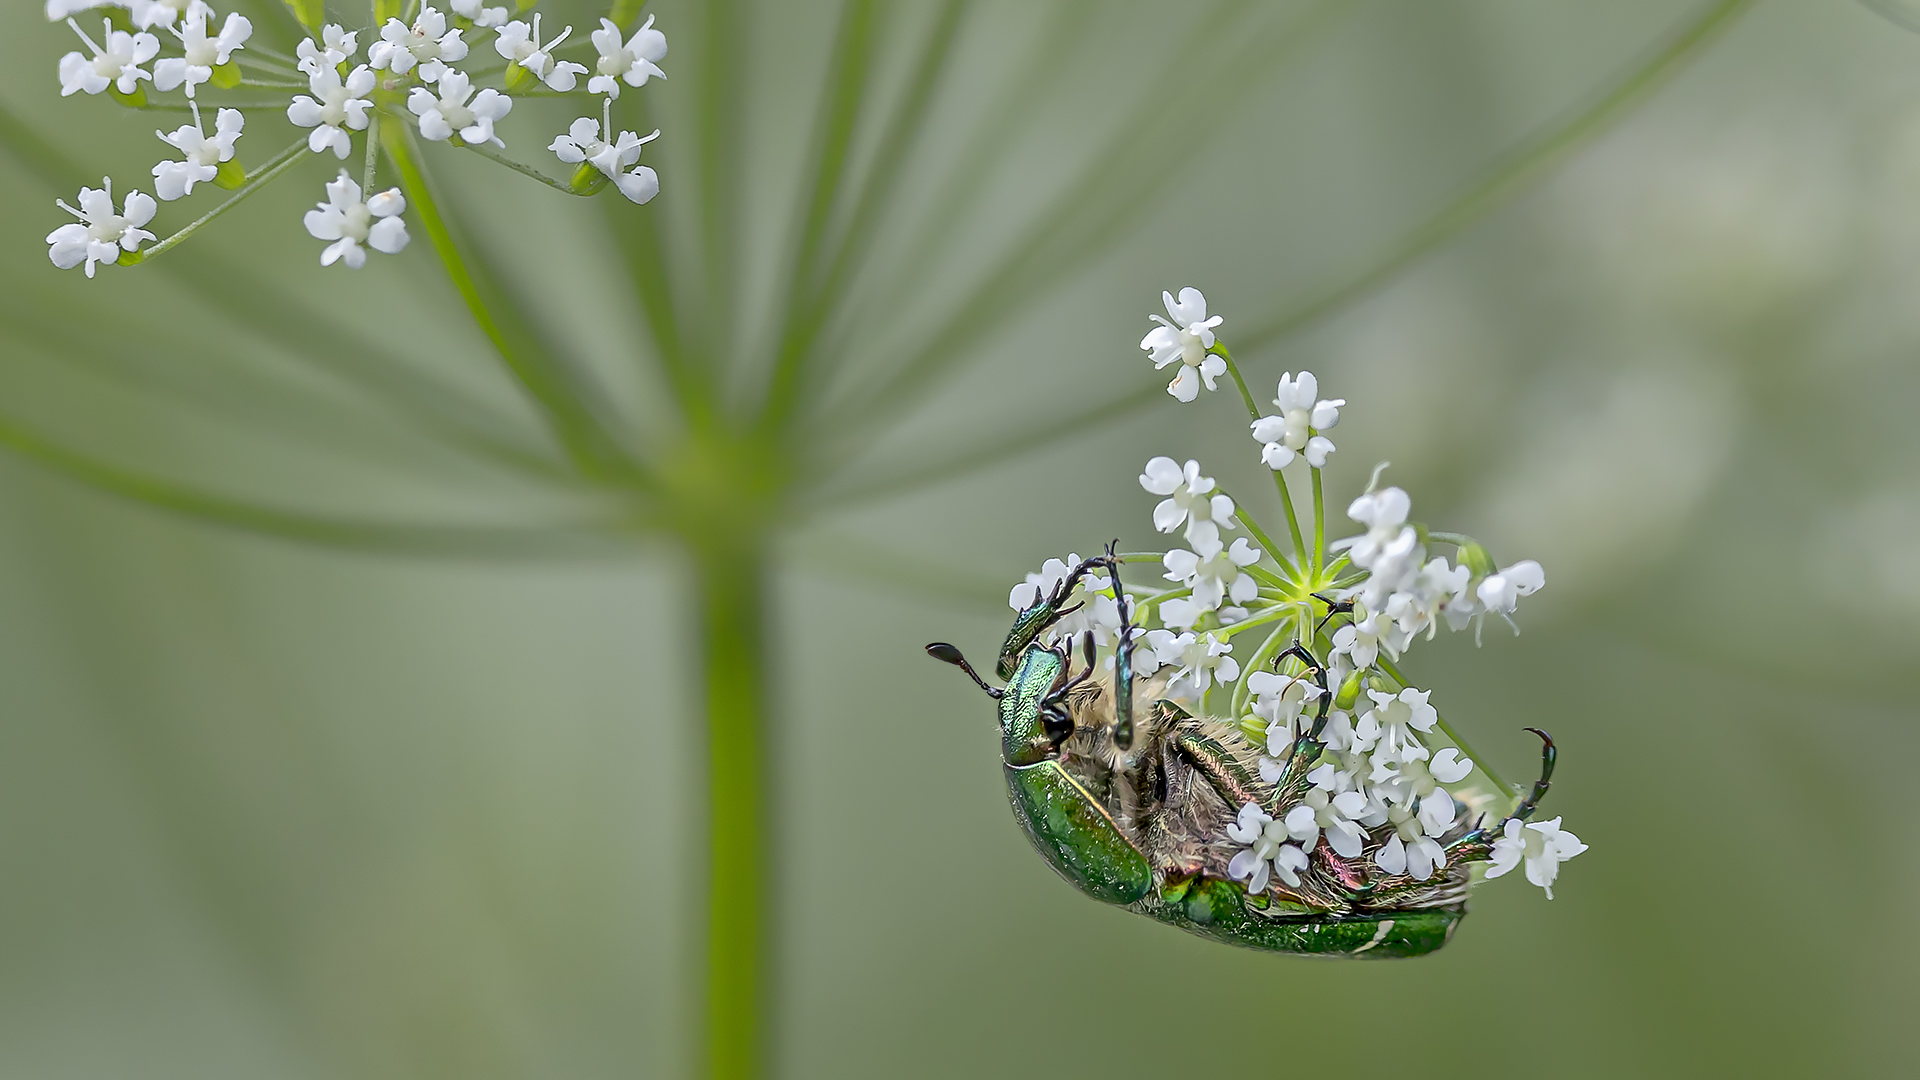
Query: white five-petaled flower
(1292, 430)
(427, 44)
(202, 155)
(450, 113)
(636, 61)
(479, 15)
(1412, 781)
(1542, 843)
(1191, 498)
(147, 14)
(1500, 592)
(1361, 640)
(1201, 659)
(1323, 812)
(1387, 730)
(1267, 850)
(521, 44)
(1437, 588)
(1409, 850)
(1390, 550)
(353, 226)
(1215, 573)
(336, 47)
(1281, 700)
(101, 234)
(202, 53)
(117, 65)
(1186, 338)
(335, 107)
(595, 144)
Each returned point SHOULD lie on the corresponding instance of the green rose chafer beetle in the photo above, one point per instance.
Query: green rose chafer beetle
(1134, 812)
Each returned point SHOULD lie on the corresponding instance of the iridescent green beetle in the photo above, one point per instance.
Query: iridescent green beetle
(1135, 813)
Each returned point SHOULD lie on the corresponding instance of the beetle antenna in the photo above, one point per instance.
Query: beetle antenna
(947, 654)
(1122, 657)
(1548, 755)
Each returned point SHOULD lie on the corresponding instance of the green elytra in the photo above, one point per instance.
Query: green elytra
(1139, 826)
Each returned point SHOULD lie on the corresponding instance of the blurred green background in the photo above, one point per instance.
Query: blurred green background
(271, 810)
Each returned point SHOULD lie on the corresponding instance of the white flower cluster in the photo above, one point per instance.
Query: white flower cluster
(412, 61)
(1359, 604)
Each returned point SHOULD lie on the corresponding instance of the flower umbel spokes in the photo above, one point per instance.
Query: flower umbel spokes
(414, 78)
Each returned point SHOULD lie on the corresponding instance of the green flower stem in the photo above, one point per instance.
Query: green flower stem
(1456, 539)
(1454, 737)
(1280, 482)
(372, 167)
(1319, 527)
(499, 158)
(276, 165)
(1293, 519)
(1265, 541)
(732, 588)
(272, 84)
(1246, 396)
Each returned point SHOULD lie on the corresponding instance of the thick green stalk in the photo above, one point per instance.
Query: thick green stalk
(731, 579)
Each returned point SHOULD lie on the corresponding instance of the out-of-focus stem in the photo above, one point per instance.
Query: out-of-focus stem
(731, 581)
(280, 163)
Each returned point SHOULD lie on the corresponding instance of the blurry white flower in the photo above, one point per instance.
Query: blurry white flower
(451, 113)
(427, 44)
(101, 234)
(58, 10)
(335, 108)
(1186, 338)
(203, 53)
(1543, 844)
(202, 155)
(1438, 587)
(1291, 430)
(354, 226)
(1500, 592)
(1409, 850)
(594, 143)
(479, 15)
(147, 14)
(1387, 730)
(117, 65)
(1215, 574)
(521, 44)
(1191, 499)
(636, 61)
(1360, 641)
(336, 47)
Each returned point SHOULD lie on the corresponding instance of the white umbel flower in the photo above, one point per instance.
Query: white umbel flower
(1542, 843)
(203, 53)
(451, 113)
(1268, 850)
(201, 156)
(147, 14)
(1201, 659)
(1411, 782)
(427, 45)
(1321, 812)
(595, 144)
(353, 226)
(521, 44)
(1214, 573)
(1293, 430)
(1281, 700)
(1098, 613)
(1500, 593)
(1190, 500)
(1388, 730)
(101, 234)
(335, 108)
(635, 61)
(1360, 641)
(1185, 338)
(117, 65)
(475, 12)
(1409, 850)
(336, 47)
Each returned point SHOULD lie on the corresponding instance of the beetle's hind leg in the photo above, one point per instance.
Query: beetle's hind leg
(1477, 846)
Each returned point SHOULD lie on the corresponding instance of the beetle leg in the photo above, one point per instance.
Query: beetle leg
(1341, 607)
(946, 653)
(1122, 658)
(1229, 780)
(1477, 845)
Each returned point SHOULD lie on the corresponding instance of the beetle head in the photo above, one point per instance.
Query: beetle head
(1033, 713)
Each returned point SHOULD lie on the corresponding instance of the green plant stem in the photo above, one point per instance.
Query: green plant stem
(1453, 736)
(1319, 526)
(732, 581)
(1264, 540)
(280, 163)
(1279, 481)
